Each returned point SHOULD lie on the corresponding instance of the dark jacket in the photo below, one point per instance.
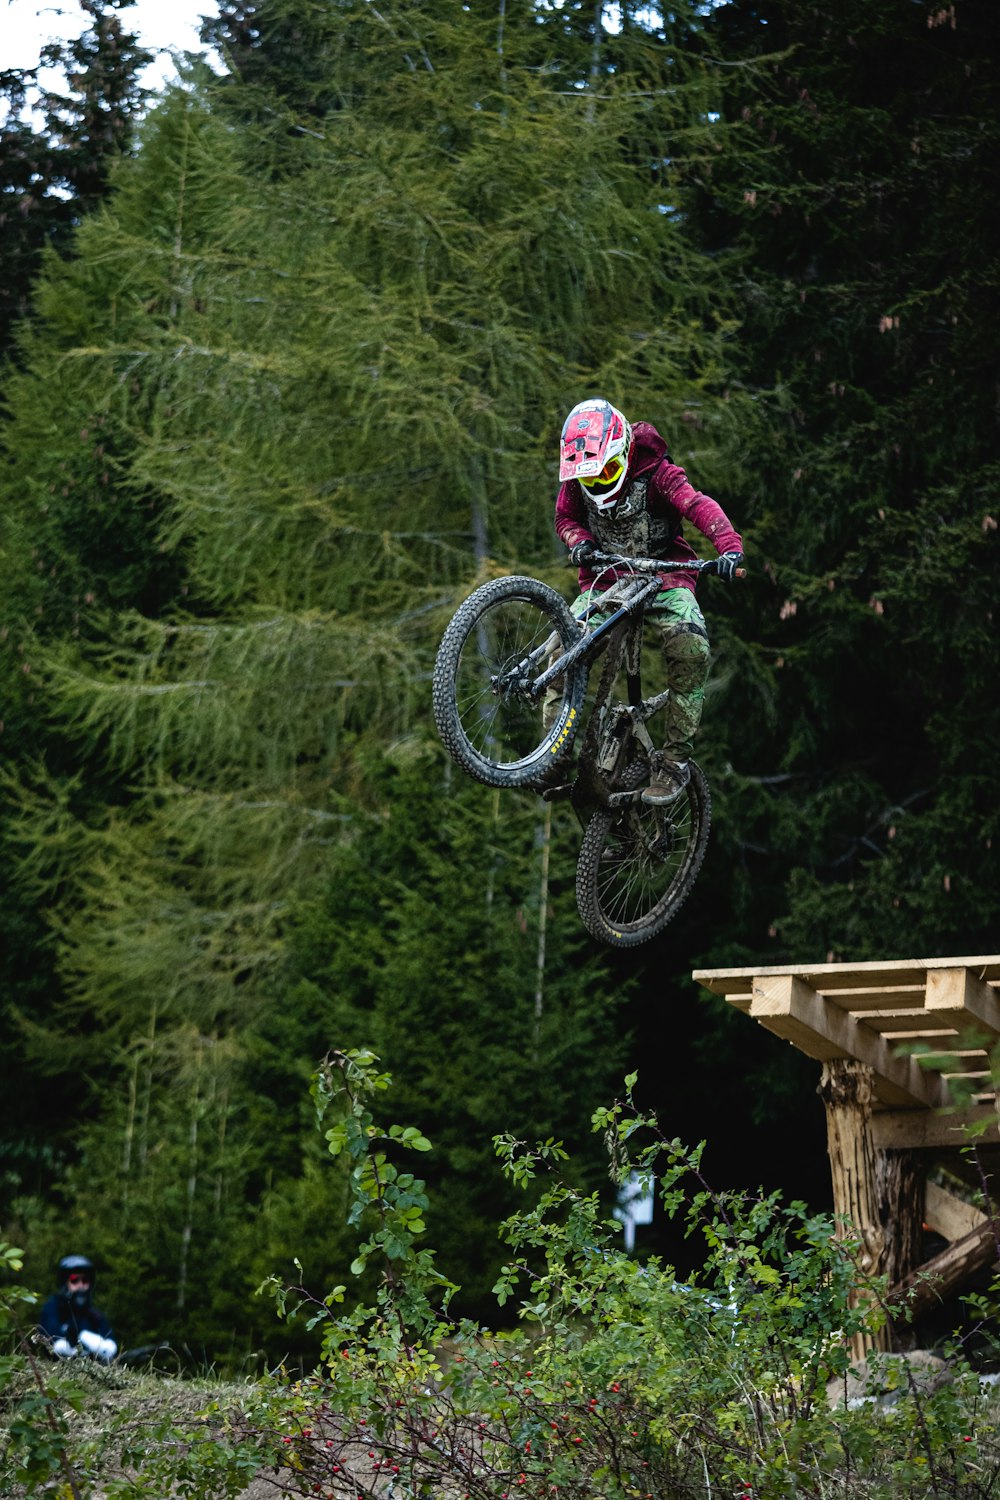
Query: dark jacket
(59, 1319)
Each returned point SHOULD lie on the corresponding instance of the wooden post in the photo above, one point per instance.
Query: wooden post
(877, 1192)
(899, 1186)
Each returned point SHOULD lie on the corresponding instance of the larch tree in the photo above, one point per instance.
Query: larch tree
(57, 149)
(296, 392)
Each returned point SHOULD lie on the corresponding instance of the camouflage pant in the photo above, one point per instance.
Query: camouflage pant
(684, 638)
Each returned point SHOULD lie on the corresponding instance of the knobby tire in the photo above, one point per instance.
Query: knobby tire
(637, 864)
(497, 735)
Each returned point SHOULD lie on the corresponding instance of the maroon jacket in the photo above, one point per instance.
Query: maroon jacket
(646, 519)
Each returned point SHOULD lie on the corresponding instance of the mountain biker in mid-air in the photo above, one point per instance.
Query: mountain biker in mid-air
(620, 491)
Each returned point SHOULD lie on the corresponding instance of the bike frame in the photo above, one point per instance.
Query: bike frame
(588, 644)
(610, 726)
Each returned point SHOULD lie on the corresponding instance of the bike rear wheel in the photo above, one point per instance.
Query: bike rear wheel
(499, 641)
(637, 864)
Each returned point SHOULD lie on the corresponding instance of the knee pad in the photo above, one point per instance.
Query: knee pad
(687, 655)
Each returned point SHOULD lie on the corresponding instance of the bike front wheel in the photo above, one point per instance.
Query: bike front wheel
(637, 864)
(499, 642)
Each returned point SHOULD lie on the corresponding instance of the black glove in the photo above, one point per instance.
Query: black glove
(580, 552)
(727, 564)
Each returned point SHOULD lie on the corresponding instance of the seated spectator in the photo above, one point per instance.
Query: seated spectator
(69, 1321)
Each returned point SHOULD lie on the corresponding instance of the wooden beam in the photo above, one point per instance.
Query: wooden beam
(958, 998)
(792, 1009)
(953, 1060)
(923, 1129)
(909, 1023)
(864, 976)
(876, 998)
(949, 1216)
(938, 1278)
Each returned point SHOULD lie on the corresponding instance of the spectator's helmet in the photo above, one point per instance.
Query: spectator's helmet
(75, 1277)
(594, 449)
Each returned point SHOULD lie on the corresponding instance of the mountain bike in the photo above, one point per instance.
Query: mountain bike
(513, 645)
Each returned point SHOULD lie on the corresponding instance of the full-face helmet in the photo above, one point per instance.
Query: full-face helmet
(75, 1277)
(594, 449)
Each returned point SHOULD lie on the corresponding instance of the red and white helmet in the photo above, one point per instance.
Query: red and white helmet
(594, 448)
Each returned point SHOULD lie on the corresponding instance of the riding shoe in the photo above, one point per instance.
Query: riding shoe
(671, 777)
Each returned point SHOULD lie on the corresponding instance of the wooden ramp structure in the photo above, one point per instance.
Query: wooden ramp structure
(907, 1049)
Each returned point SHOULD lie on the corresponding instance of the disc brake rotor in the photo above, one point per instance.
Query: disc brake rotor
(652, 833)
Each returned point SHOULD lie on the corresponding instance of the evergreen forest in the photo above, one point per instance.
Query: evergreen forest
(286, 349)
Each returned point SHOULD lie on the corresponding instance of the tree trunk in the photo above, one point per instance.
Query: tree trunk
(899, 1192)
(877, 1192)
(543, 909)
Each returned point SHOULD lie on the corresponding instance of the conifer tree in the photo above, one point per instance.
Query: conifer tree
(870, 277)
(309, 365)
(57, 150)
(53, 172)
(422, 943)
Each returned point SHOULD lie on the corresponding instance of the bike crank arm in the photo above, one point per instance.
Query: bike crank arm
(622, 799)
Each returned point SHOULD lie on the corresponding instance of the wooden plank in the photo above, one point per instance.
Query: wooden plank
(950, 1216)
(960, 999)
(913, 1022)
(877, 998)
(790, 1008)
(985, 966)
(922, 1129)
(862, 975)
(958, 1064)
(964, 1025)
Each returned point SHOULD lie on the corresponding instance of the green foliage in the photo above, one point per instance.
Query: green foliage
(37, 1431)
(387, 1200)
(445, 898)
(627, 1378)
(12, 1298)
(624, 1379)
(294, 393)
(57, 150)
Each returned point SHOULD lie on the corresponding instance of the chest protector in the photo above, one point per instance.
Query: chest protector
(628, 527)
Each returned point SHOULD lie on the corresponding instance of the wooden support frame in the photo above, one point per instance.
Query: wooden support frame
(936, 1279)
(950, 1217)
(907, 1048)
(925, 1130)
(792, 1009)
(882, 1014)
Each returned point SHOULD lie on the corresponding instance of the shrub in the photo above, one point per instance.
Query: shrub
(620, 1381)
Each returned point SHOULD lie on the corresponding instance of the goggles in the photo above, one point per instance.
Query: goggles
(610, 474)
(77, 1278)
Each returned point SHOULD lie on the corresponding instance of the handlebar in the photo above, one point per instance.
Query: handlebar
(660, 564)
